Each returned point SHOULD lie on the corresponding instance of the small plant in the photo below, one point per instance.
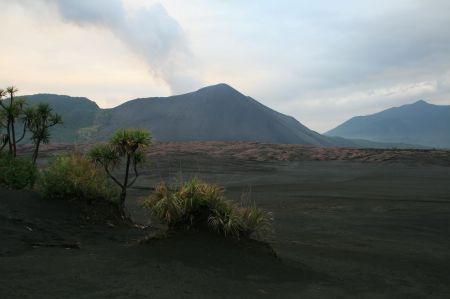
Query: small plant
(196, 203)
(226, 220)
(165, 205)
(254, 220)
(125, 145)
(16, 173)
(75, 177)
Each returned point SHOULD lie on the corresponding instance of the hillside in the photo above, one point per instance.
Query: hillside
(420, 123)
(215, 113)
(78, 113)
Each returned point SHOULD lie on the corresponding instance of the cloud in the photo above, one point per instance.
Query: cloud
(149, 32)
(322, 62)
(336, 60)
(100, 12)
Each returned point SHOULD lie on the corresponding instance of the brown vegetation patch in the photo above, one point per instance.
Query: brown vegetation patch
(273, 152)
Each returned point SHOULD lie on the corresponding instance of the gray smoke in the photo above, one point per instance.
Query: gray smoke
(150, 33)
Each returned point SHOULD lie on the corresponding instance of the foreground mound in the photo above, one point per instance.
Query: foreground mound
(49, 249)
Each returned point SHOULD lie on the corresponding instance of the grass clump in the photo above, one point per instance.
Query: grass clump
(16, 173)
(75, 177)
(199, 204)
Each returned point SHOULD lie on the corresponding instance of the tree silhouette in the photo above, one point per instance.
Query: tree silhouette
(128, 145)
(39, 120)
(4, 138)
(12, 110)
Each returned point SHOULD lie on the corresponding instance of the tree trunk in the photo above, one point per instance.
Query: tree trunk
(13, 131)
(35, 155)
(123, 194)
(12, 138)
(4, 141)
(36, 152)
(8, 129)
(123, 212)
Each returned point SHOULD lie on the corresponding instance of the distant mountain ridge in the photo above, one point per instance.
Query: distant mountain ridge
(419, 123)
(214, 113)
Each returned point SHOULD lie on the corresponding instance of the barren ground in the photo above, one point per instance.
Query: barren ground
(348, 224)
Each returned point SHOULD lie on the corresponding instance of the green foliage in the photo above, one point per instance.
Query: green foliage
(39, 120)
(77, 113)
(226, 219)
(75, 177)
(129, 141)
(105, 154)
(196, 203)
(125, 145)
(16, 109)
(13, 107)
(17, 173)
(254, 219)
(165, 205)
(12, 111)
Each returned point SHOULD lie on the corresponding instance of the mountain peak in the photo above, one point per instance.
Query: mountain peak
(221, 87)
(421, 102)
(419, 123)
(214, 113)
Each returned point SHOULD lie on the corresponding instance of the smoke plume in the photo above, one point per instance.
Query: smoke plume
(150, 33)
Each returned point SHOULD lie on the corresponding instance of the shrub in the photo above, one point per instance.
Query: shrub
(254, 220)
(196, 203)
(165, 205)
(226, 220)
(16, 173)
(74, 177)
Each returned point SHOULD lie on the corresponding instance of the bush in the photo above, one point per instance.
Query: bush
(196, 203)
(74, 177)
(16, 173)
(254, 219)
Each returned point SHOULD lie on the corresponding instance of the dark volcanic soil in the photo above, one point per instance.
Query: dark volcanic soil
(344, 228)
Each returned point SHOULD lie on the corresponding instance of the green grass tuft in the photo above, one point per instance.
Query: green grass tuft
(196, 203)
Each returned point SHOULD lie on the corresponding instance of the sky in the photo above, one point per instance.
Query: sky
(322, 62)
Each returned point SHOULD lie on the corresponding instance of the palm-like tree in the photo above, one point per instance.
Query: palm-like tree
(128, 145)
(3, 121)
(11, 111)
(39, 120)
